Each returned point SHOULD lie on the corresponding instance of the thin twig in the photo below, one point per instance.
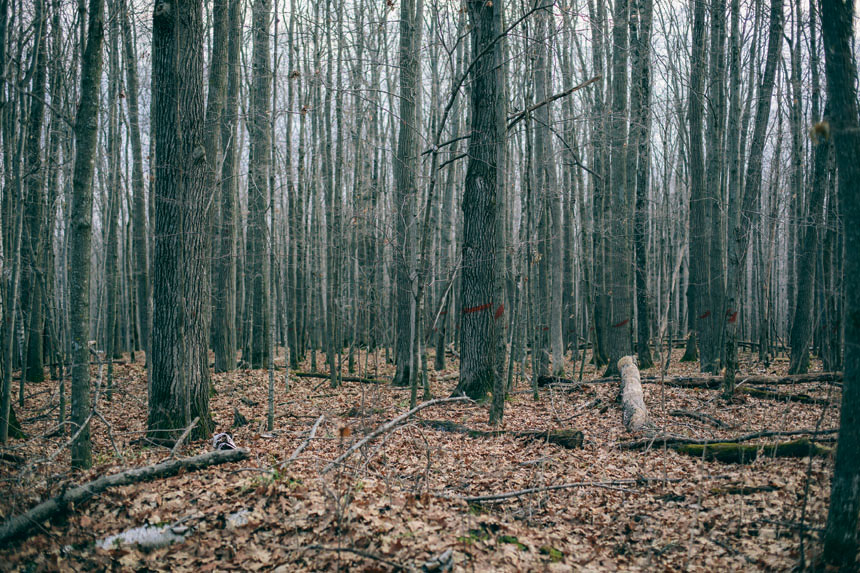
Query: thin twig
(304, 444)
(388, 426)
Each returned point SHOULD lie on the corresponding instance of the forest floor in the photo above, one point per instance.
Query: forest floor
(397, 503)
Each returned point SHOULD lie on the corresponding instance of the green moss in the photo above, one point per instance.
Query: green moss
(512, 540)
(554, 554)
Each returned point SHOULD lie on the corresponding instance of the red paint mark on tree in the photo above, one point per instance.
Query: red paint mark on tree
(622, 323)
(472, 309)
(444, 312)
(733, 316)
(706, 315)
(499, 312)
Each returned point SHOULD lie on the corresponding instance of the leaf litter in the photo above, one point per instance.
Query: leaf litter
(397, 503)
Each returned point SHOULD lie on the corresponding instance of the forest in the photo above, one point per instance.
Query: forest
(429, 285)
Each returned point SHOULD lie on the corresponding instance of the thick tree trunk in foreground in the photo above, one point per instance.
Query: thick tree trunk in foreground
(481, 216)
(841, 538)
(179, 368)
(86, 140)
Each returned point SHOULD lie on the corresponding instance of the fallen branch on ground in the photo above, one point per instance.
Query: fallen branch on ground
(304, 444)
(20, 524)
(613, 484)
(388, 426)
(673, 440)
(326, 376)
(783, 396)
(705, 381)
(570, 439)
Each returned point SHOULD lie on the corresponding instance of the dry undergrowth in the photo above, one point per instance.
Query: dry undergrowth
(396, 503)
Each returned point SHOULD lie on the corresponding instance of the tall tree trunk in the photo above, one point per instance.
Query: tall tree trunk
(837, 19)
(801, 325)
(640, 167)
(481, 271)
(406, 180)
(259, 159)
(224, 292)
(698, 313)
(179, 375)
(33, 271)
(749, 200)
(86, 139)
(139, 217)
(620, 317)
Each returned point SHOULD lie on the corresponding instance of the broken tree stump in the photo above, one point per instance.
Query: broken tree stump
(634, 413)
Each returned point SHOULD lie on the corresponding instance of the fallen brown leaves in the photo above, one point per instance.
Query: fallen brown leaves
(397, 501)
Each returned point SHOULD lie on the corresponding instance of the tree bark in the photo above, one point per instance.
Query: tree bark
(481, 269)
(86, 139)
(179, 374)
(841, 537)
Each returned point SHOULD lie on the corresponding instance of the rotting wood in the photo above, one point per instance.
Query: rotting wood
(634, 413)
(746, 453)
(20, 524)
(569, 439)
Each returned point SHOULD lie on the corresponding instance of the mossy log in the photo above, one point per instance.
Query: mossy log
(570, 439)
(746, 453)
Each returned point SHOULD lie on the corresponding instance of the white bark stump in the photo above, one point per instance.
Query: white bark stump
(634, 413)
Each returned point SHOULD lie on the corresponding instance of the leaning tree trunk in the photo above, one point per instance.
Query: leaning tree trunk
(841, 537)
(86, 140)
(179, 370)
(481, 272)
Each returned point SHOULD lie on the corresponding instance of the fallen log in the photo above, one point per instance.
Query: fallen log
(569, 439)
(543, 381)
(326, 376)
(21, 524)
(708, 381)
(634, 413)
(747, 453)
(672, 440)
(782, 396)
